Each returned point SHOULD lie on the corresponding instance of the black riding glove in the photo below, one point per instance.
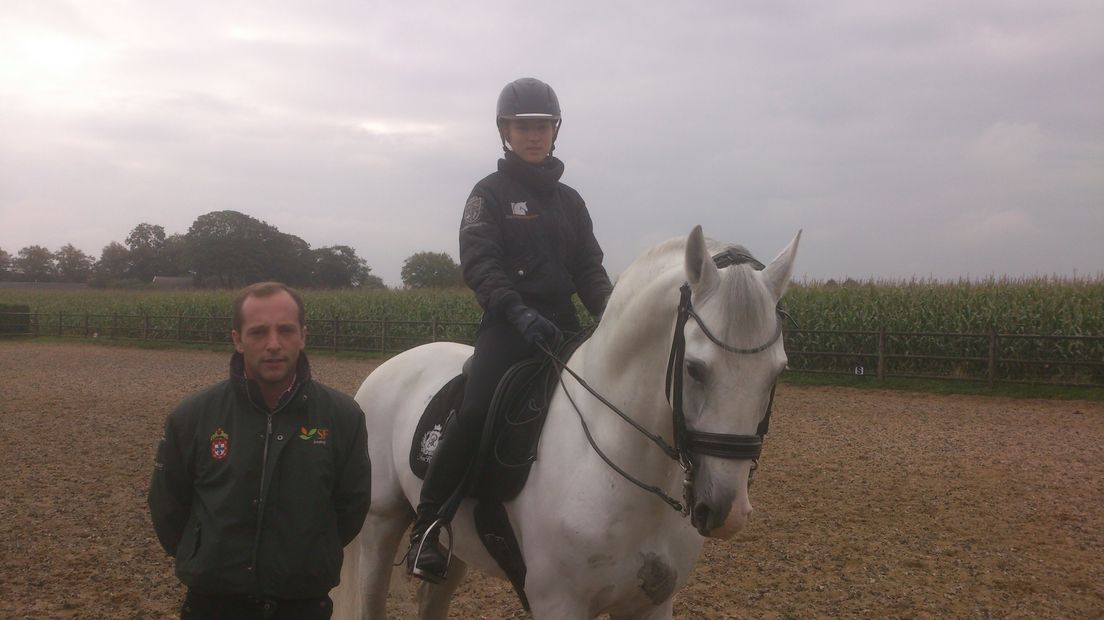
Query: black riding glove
(530, 324)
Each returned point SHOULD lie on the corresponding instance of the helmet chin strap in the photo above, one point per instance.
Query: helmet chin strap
(559, 123)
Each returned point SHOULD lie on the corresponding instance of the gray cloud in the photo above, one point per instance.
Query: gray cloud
(943, 138)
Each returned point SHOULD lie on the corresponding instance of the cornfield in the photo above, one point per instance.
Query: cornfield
(838, 326)
(918, 315)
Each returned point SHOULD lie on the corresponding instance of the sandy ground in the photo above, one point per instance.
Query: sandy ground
(868, 503)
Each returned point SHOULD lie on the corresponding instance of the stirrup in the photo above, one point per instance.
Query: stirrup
(413, 567)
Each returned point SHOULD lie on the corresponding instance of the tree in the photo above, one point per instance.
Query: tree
(145, 243)
(36, 263)
(430, 270)
(173, 261)
(225, 248)
(73, 265)
(5, 265)
(338, 266)
(113, 264)
(229, 249)
(370, 281)
(290, 259)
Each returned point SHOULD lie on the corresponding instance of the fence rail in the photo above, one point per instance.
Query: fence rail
(980, 357)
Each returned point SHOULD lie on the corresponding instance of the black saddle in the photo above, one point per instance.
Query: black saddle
(507, 449)
(512, 429)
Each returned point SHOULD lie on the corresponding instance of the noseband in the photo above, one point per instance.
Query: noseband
(690, 443)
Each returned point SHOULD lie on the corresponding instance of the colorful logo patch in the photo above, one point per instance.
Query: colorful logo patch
(220, 445)
(319, 435)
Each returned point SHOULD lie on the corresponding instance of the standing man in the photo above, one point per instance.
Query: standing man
(262, 479)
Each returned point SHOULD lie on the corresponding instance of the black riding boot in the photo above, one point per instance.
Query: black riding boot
(425, 559)
(450, 462)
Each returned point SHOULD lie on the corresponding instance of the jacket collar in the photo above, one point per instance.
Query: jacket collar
(253, 391)
(542, 177)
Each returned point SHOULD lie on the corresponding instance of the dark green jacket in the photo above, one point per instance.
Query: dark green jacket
(261, 503)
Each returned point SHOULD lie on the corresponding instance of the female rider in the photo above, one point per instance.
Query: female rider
(526, 245)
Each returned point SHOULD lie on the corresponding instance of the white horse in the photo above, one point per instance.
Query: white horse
(593, 543)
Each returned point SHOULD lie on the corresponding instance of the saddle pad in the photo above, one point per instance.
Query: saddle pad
(442, 406)
(508, 446)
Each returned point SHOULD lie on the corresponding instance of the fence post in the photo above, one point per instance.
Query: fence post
(37, 324)
(86, 325)
(145, 327)
(992, 355)
(881, 353)
(59, 323)
(383, 335)
(336, 330)
(180, 326)
(210, 319)
(433, 330)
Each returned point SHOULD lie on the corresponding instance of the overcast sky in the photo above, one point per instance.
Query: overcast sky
(942, 138)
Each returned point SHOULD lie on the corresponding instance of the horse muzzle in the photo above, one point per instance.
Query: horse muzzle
(721, 522)
(721, 510)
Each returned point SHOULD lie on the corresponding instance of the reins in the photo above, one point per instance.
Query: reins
(688, 442)
(656, 439)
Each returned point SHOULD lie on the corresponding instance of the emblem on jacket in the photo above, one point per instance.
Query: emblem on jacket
(429, 443)
(319, 435)
(520, 211)
(473, 212)
(220, 445)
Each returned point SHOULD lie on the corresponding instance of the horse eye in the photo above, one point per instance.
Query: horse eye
(696, 370)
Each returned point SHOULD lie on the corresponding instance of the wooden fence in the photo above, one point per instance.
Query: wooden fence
(981, 357)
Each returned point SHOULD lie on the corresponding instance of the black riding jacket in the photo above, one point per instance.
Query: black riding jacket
(525, 237)
(253, 502)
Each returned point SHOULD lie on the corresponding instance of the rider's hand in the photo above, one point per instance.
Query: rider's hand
(531, 325)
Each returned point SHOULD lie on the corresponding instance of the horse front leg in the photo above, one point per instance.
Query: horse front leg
(434, 599)
(366, 572)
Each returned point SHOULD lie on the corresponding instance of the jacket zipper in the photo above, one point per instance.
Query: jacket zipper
(260, 492)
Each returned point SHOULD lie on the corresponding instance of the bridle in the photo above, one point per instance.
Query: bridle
(688, 443)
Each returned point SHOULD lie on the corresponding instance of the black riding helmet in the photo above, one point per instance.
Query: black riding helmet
(527, 98)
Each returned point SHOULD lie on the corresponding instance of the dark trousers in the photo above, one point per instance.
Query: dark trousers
(205, 607)
(498, 346)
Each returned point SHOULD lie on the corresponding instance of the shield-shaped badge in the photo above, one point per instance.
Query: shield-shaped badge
(220, 445)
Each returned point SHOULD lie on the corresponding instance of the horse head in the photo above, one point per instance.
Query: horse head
(733, 357)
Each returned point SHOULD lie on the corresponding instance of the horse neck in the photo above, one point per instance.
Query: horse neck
(626, 359)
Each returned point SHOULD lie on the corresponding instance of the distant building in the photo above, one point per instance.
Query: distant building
(165, 282)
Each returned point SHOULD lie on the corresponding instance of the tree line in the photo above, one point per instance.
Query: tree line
(222, 249)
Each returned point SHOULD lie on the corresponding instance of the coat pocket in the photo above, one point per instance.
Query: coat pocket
(189, 543)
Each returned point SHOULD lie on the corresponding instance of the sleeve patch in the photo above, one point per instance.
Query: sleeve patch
(473, 212)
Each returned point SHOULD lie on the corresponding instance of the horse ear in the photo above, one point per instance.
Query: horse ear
(701, 271)
(778, 272)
